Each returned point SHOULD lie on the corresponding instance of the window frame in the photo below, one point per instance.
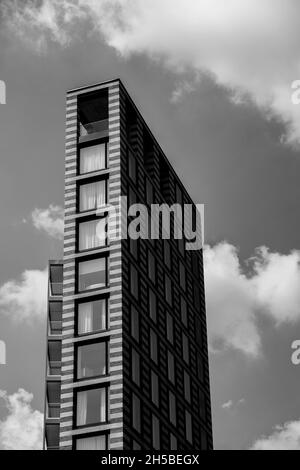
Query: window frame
(87, 435)
(87, 181)
(75, 402)
(91, 218)
(86, 300)
(86, 259)
(91, 143)
(87, 343)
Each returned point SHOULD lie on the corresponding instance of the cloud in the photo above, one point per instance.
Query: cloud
(230, 404)
(22, 429)
(286, 437)
(25, 299)
(50, 221)
(251, 48)
(227, 405)
(236, 297)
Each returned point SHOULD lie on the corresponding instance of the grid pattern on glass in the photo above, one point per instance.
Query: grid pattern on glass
(154, 388)
(91, 360)
(172, 408)
(92, 316)
(135, 367)
(91, 406)
(155, 432)
(136, 412)
(92, 274)
(171, 367)
(188, 427)
(135, 327)
(92, 195)
(92, 158)
(91, 443)
(92, 234)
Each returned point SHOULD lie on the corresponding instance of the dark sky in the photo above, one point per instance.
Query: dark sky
(229, 156)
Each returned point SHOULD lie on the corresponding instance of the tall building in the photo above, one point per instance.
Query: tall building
(127, 362)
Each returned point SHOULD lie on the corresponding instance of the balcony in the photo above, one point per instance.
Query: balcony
(55, 327)
(54, 368)
(53, 410)
(93, 127)
(93, 116)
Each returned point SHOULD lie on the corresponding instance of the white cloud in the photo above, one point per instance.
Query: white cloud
(50, 221)
(236, 298)
(286, 437)
(22, 429)
(251, 47)
(227, 405)
(25, 299)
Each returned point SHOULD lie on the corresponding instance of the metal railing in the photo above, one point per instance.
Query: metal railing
(93, 127)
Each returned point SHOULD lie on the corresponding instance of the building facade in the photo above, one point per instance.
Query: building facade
(127, 361)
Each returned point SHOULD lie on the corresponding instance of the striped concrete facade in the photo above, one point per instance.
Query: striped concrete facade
(127, 135)
(114, 332)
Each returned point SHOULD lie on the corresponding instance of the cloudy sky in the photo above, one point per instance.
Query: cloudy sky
(213, 79)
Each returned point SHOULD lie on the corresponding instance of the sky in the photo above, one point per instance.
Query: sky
(213, 80)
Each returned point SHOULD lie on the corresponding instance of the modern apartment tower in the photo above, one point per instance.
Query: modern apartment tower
(127, 361)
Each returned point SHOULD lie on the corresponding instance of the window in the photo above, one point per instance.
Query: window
(92, 316)
(92, 195)
(172, 408)
(182, 275)
(167, 254)
(198, 332)
(91, 443)
(134, 247)
(187, 386)
(91, 360)
(55, 317)
(204, 442)
(170, 328)
(168, 289)
(173, 442)
(184, 316)
(135, 327)
(153, 346)
(188, 427)
(132, 197)
(200, 367)
(135, 445)
(92, 274)
(91, 406)
(151, 267)
(136, 412)
(171, 368)
(196, 297)
(185, 348)
(149, 192)
(131, 166)
(92, 234)
(152, 305)
(92, 158)
(54, 354)
(202, 405)
(155, 432)
(179, 196)
(135, 367)
(154, 388)
(134, 284)
(56, 279)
